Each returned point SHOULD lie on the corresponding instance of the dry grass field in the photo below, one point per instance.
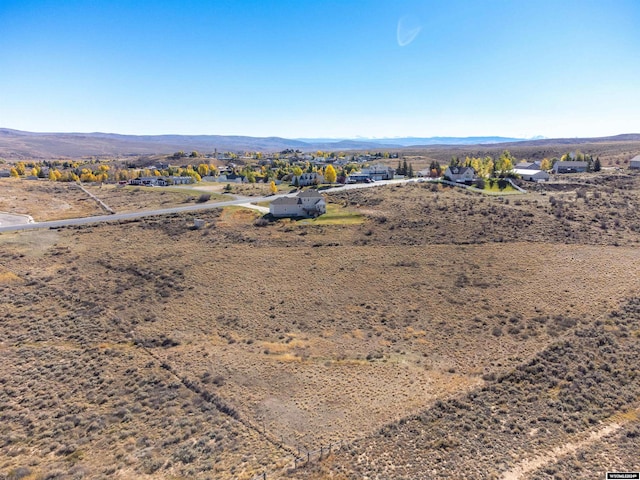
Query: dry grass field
(443, 332)
(131, 199)
(45, 200)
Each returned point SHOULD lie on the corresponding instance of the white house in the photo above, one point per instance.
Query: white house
(460, 174)
(532, 175)
(635, 162)
(306, 179)
(379, 172)
(309, 203)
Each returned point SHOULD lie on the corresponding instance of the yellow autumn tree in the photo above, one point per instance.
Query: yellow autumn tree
(330, 174)
(14, 173)
(545, 164)
(203, 169)
(273, 187)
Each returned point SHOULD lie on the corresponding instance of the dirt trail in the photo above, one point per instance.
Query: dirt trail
(527, 466)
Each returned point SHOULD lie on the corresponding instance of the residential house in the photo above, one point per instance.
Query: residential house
(531, 174)
(570, 167)
(309, 203)
(182, 180)
(460, 174)
(161, 181)
(528, 165)
(306, 179)
(635, 162)
(232, 178)
(379, 172)
(148, 181)
(357, 177)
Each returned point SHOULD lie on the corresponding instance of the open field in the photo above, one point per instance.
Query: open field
(131, 199)
(443, 325)
(45, 200)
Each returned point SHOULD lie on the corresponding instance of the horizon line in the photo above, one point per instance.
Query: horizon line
(319, 138)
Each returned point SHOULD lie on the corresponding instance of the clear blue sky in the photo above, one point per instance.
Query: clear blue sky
(321, 68)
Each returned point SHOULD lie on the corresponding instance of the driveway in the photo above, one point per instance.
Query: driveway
(10, 219)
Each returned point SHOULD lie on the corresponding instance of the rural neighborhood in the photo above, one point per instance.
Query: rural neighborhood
(302, 240)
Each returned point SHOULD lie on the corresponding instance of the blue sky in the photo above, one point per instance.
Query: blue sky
(307, 68)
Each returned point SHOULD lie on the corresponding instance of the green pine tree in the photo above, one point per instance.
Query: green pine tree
(597, 166)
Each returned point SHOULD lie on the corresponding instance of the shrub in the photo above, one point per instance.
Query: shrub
(18, 473)
(205, 197)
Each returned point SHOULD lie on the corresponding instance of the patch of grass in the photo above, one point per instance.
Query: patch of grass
(337, 215)
(500, 187)
(238, 215)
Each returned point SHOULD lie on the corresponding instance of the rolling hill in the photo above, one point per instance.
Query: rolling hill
(16, 144)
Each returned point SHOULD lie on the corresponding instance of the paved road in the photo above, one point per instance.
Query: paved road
(188, 208)
(10, 219)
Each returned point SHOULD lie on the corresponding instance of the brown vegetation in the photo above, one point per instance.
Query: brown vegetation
(45, 200)
(449, 332)
(131, 199)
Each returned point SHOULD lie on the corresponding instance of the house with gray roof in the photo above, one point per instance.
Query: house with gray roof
(570, 167)
(459, 174)
(379, 172)
(309, 203)
(307, 178)
(635, 162)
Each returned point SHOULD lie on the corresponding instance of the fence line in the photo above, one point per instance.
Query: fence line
(98, 201)
(304, 458)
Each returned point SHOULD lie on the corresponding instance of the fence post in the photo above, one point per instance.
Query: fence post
(308, 457)
(264, 476)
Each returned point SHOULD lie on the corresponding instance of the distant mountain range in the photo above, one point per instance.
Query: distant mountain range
(413, 141)
(26, 145)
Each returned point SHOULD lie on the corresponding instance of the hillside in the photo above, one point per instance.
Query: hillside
(447, 331)
(16, 144)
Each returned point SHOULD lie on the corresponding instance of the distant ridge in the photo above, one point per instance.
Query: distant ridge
(413, 141)
(25, 145)
(625, 137)
(21, 144)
